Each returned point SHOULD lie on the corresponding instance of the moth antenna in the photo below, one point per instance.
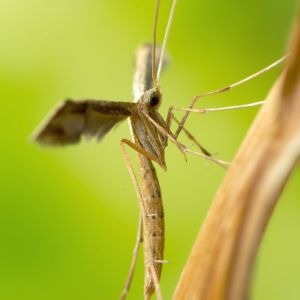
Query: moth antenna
(166, 37)
(154, 78)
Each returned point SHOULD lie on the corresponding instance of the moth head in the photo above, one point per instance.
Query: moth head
(152, 98)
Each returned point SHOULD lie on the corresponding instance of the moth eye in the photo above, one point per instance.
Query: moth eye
(154, 100)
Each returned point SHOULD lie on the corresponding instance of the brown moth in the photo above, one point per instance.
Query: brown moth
(72, 120)
(93, 119)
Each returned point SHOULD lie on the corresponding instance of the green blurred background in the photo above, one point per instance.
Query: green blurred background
(68, 217)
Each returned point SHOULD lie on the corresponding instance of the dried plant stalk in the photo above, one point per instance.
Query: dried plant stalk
(220, 263)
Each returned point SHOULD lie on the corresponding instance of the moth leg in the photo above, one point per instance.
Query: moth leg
(143, 212)
(141, 150)
(139, 240)
(219, 162)
(183, 148)
(168, 126)
(167, 133)
(208, 155)
(193, 139)
(164, 124)
(205, 154)
(233, 107)
(170, 117)
(225, 89)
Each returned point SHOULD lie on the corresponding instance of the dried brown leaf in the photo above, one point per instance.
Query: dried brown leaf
(221, 260)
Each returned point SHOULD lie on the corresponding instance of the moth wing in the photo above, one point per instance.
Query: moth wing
(73, 119)
(160, 121)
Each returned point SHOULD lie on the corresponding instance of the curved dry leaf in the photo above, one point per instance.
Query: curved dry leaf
(220, 263)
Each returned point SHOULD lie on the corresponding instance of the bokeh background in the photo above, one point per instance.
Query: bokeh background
(68, 216)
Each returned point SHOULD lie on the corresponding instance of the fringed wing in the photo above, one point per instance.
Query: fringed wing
(73, 119)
